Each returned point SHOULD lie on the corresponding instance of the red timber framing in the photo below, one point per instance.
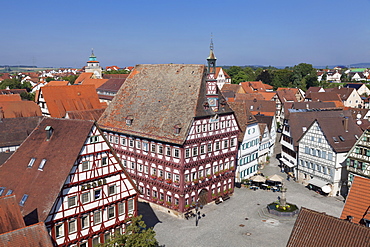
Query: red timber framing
(174, 176)
(97, 198)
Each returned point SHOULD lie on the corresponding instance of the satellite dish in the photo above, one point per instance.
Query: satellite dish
(358, 115)
(359, 122)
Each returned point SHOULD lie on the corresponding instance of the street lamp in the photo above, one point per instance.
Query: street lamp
(198, 207)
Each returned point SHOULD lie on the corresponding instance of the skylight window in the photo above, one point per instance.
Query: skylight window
(9, 192)
(30, 164)
(2, 190)
(24, 198)
(335, 139)
(42, 164)
(341, 138)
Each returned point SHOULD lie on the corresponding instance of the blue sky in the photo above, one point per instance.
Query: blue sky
(125, 33)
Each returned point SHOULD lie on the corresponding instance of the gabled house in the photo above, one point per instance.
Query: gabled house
(229, 91)
(361, 88)
(56, 101)
(109, 89)
(315, 90)
(72, 180)
(222, 77)
(357, 206)
(349, 96)
(325, 97)
(281, 98)
(270, 134)
(248, 139)
(256, 87)
(322, 151)
(314, 229)
(299, 94)
(175, 133)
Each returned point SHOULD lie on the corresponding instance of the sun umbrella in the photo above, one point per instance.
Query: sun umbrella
(258, 179)
(276, 178)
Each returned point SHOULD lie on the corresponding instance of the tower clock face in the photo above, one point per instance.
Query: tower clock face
(212, 102)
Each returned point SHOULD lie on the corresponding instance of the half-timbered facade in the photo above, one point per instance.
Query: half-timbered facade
(71, 180)
(322, 153)
(175, 134)
(358, 159)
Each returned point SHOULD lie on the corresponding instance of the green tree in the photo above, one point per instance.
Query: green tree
(281, 78)
(233, 71)
(136, 235)
(249, 72)
(49, 79)
(240, 77)
(70, 78)
(120, 71)
(265, 77)
(304, 76)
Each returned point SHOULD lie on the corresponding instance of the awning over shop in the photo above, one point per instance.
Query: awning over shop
(321, 184)
(286, 162)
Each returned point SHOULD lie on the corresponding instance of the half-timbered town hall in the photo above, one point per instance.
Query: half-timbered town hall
(66, 175)
(175, 134)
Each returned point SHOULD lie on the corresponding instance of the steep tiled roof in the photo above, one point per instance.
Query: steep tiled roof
(10, 97)
(157, 98)
(14, 109)
(265, 119)
(231, 87)
(314, 229)
(60, 153)
(96, 82)
(358, 200)
(30, 236)
(343, 92)
(313, 89)
(248, 96)
(243, 116)
(255, 86)
(112, 85)
(82, 77)
(324, 96)
(85, 114)
(261, 107)
(14, 131)
(61, 99)
(300, 121)
(57, 83)
(115, 76)
(286, 95)
(10, 215)
(268, 95)
(12, 91)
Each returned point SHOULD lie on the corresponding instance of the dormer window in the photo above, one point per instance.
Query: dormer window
(49, 132)
(42, 164)
(177, 129)
(129, 120)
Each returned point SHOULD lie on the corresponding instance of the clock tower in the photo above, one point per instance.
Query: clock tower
(211, 82)
(94, 67)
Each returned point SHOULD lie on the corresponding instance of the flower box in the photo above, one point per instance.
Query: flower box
(153, 176)
(160, 201)
(195, 181)
(169, 181)
(177, 183)
(161, 178)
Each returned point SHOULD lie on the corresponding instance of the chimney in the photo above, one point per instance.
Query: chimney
(349, 218)
(49, 132)
(345, 124)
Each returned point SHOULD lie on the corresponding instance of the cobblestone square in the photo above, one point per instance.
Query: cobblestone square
(242, 220)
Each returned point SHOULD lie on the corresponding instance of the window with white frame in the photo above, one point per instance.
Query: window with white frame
(97, 194)
(123, 141)
(204, 127)
(110, 212)
(104, 161)
(160, 149)
(72, 226)
(59, 230)
(226, 143)
(153, 148)
(202, 149)
(85, 165)
(217, 146)
(72, 201)
(85, 221)
(112, 189)
(131, 142)
(145, 146)
(232, 142)
(97, 217)
(138, 144)
(132, 165)
(187, 153)
(176, 153)
(85, 197)
(116, 139)
(209, 147)
(169, 175)
(130, 206)
(96, 241)
(195, 151)
(94, 139)
(121, 208)
(168, 151)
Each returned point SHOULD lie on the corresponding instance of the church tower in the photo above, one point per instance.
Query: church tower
(93, 66)
(211, 81)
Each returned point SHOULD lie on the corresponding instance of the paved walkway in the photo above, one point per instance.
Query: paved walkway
(242, 220)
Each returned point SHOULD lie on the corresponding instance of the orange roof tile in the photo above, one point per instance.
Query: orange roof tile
(10, 97)
(61, 99)
(13, 109)
(57, 83)
(82, 77)
(96, 82)
(268, 95)
(358, 200)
